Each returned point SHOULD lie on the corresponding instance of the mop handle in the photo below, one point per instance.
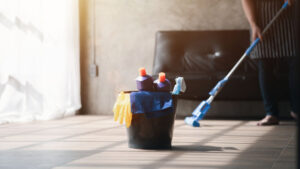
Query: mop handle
(257, 40)
(214, 92)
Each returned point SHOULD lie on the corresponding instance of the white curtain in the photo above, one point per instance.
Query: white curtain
(39, 59)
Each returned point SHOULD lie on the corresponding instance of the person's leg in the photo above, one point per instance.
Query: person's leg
(267, 83)
(294, 84)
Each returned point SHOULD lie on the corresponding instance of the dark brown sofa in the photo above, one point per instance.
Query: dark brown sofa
(205, 57)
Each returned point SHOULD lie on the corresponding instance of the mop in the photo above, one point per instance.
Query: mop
(204, 106)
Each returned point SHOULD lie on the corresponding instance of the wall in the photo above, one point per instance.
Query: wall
(125, 38)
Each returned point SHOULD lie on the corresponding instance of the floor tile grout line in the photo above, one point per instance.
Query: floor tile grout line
(13, 124)
(283, 149)
(50, 128)
(67, 137)
(98, 150)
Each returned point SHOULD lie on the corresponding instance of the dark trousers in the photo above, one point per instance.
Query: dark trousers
(269, 69)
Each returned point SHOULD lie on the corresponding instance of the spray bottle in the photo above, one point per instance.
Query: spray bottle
(144, 82)
(162, 84)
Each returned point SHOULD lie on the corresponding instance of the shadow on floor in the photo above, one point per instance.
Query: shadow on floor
(273, 150)
(197, 148)
(46, 159)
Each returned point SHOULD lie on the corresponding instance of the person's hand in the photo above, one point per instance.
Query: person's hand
(256, 32)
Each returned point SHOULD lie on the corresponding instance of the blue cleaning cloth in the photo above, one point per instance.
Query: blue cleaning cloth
(153, 104)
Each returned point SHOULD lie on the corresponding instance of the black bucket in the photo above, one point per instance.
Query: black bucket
(152, 133)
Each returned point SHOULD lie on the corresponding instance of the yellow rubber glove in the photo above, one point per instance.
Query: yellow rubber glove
(128, 116)
(122, 109)
(117, 106)
(122, 112)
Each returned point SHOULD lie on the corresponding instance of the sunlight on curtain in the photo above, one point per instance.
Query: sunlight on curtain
(39, 59)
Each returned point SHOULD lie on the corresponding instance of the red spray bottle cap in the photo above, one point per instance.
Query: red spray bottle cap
(162, 77)
(142, 71)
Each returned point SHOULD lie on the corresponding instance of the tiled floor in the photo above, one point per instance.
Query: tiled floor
(84, 142)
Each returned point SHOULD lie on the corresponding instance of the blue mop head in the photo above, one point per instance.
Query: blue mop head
(191, 121)
(198, 114)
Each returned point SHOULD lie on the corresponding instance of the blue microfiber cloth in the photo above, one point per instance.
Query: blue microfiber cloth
(153, 104)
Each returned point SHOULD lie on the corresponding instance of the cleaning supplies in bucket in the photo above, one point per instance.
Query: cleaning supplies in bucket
(162, 84)
(152, 98)
(152, 104)
(144, 82)
(122, 109)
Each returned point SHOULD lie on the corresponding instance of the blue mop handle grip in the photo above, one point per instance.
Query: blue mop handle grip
(285, 5)
(218, 87)
(248, 51)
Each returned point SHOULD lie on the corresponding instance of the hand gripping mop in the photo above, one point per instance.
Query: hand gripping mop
(204, 106)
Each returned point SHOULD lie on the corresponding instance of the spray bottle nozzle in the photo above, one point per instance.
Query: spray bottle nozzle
(162, 77)
(142, 71)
